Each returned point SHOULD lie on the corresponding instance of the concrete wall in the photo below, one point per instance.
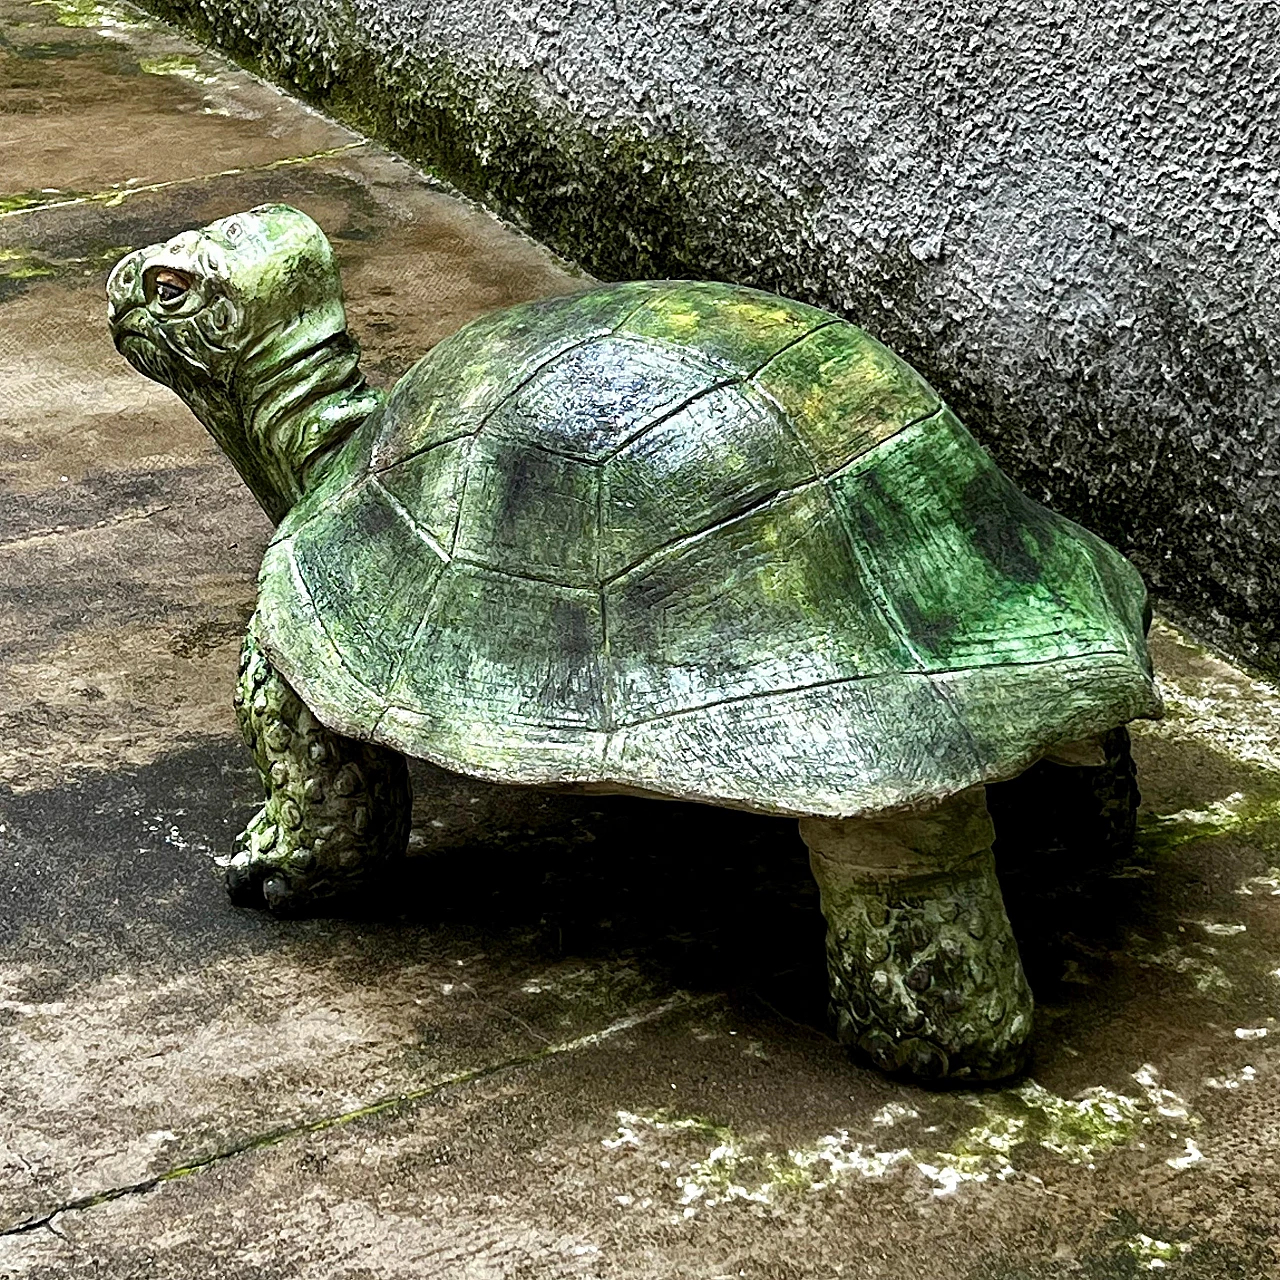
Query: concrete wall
(1066, 214)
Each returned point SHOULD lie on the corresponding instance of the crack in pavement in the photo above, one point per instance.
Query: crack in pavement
(67, 530)
(681, 1000)
(118, 193)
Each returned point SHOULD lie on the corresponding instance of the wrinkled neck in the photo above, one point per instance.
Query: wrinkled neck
(298, 405)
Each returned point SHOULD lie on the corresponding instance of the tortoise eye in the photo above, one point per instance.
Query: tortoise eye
(170, 286)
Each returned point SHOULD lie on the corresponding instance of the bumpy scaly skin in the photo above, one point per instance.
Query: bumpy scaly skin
(336, 809)
(924, 970)
(925, 976)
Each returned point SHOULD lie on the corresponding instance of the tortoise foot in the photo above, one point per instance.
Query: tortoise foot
(925, 975)
(337, 811)
(273, 869)
(926, 980)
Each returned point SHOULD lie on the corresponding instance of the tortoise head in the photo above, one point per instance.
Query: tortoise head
(244, 320)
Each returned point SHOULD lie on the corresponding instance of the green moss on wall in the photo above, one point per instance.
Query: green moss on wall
(623, 203)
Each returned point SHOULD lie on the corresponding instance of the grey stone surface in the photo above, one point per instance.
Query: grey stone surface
(1067, 215)
(588, 1041)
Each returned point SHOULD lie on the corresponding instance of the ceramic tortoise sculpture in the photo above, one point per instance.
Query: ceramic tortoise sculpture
(677, 539)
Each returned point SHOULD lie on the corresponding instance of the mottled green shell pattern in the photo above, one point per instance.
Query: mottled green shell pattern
(699, 541)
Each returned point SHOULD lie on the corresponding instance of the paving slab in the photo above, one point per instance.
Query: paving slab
(585, 1040)
(97, 99)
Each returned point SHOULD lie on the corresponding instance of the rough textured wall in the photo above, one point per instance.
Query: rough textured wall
(1067, 215)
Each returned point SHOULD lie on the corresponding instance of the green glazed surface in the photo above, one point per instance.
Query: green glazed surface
(697, 541)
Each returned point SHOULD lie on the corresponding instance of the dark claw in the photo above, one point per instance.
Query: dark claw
(278, 893)
(922, 1061)
(244, 886)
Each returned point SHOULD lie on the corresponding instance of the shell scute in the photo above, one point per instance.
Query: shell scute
(844, 393)
(461, 380)
(740, 329)
(530, 512)
(975, 572)
(774, 599)
(885, 740)
(592, 399)
(506, 650)
(428, 486)
(370, 603)
(717, 456)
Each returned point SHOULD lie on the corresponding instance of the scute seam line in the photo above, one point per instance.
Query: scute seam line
(473, 563)
(403, 512)
(888, 674)
(418, 453)
(795, 342)
(397, 671)
(876, 675)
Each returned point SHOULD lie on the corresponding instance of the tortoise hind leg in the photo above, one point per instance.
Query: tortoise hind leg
(336, 809)
(925, 974)
(1076, 808)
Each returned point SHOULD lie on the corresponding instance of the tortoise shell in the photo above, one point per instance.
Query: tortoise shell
(699, 541)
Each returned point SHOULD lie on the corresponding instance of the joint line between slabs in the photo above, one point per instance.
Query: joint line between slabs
(681, 1000)
(66, 531)
(118, 195)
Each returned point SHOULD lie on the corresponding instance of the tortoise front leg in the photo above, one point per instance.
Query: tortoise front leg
(336, 809)
(925, 974)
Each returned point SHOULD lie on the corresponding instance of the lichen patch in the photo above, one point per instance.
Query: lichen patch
(92, 13)
(1236, 814)
(1153, 1254)
(711, 1163)
(179, 65)
(1196, 960)
(1208, 700)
